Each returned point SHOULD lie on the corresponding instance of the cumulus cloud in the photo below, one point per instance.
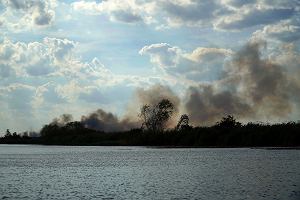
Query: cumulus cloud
(117, 10)
(220, 14)
(52, 56)
(23, 13)
(74, 80)
(252, 16)
(188, 12)
(238, 3)
(162, 54)
(285, 31)
(38, 98)
(134, 11)
(195, 65)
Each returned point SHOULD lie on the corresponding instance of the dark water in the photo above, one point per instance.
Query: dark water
(51, 172)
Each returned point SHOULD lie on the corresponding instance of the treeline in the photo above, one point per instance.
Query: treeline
(20, 138)
(226, 133)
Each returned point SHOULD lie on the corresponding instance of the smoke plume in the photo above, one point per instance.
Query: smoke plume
(62, 120)
(106, 121)
(251, 87)
(153, 95)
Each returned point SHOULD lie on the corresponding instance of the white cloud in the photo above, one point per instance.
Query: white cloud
(285, 31)
(219, 14)
(129, 11)
(253, 15)
(50, 56)
(174, 13)
(237, 3)
(55, 58)
(38, 98)
(162, 54)
(70, 91)
(245, 14)
(27, 13)
(196, 65)
(192, 13)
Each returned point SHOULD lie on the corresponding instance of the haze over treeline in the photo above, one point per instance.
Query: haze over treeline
(159, 120)
(250, 88)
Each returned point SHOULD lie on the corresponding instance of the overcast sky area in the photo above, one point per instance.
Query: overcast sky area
(217, 56)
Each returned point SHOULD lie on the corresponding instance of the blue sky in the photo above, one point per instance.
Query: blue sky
(218, 56)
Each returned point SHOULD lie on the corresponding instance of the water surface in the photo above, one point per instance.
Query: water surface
(58, 172)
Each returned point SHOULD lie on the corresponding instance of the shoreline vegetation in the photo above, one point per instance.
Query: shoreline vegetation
(228, 132)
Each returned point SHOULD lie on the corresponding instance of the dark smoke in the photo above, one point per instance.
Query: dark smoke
(205, 105)
(154, 95)
(62, 120)
(106, 121)
(252, 87)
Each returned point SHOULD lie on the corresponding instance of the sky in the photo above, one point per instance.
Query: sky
(212, 57)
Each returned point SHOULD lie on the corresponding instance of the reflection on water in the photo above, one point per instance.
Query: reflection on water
(53, 172)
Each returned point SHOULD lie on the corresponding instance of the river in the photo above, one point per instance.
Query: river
(60, 172)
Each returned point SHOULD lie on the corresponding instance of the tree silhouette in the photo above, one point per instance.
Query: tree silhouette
(7, 134)
(154, 118)
(228, 122)
(183, 123)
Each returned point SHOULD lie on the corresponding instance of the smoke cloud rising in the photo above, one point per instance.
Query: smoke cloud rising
(252, 87)
(62, 120)
(108, 122)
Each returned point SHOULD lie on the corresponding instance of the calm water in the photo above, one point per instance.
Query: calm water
(52, 172)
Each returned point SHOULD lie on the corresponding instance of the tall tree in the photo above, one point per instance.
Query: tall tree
(155, 117)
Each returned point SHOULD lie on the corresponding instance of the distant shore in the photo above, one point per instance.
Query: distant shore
(226, 134)
(166, 146)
